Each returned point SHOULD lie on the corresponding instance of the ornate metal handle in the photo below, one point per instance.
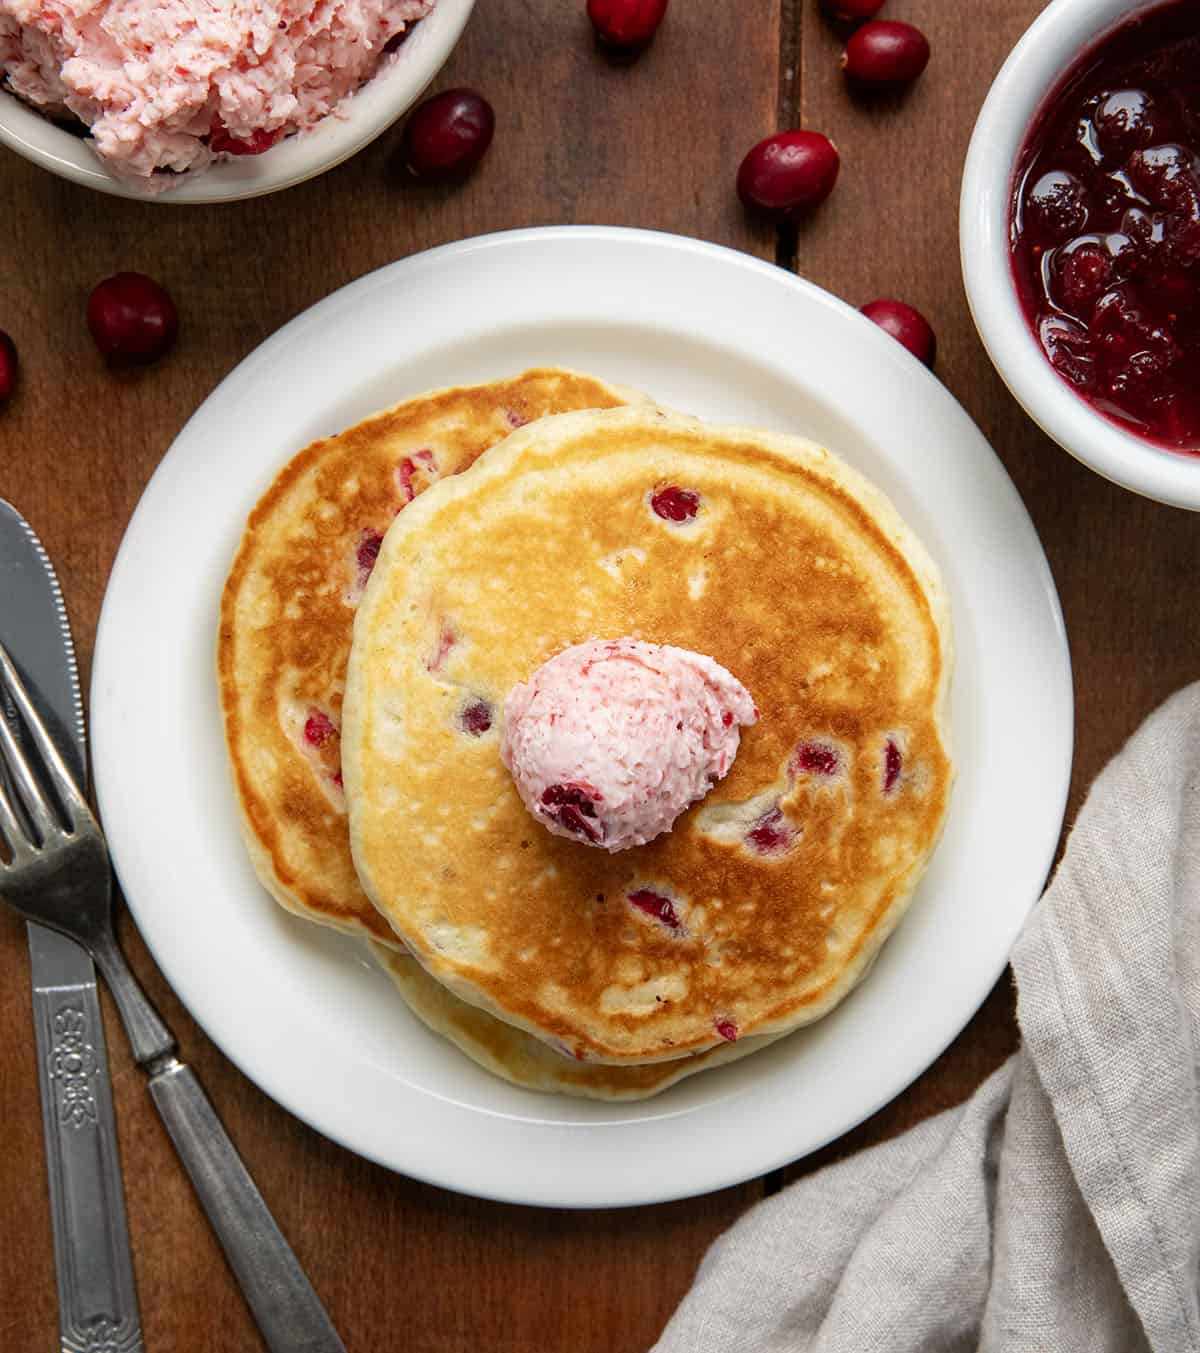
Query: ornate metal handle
(97, 1301)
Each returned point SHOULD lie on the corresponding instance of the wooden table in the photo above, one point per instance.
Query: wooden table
(655, 144)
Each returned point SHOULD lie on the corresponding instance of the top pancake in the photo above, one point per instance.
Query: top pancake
(288, 609)
(795, 574)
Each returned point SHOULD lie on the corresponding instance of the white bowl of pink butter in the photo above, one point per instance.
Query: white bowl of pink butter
(286, 72)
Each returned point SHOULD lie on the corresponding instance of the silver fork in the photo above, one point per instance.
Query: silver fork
(58, 873)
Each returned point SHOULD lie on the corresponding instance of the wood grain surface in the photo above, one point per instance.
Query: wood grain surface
(579, 139)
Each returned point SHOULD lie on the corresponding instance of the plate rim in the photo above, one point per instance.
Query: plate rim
(106, 659)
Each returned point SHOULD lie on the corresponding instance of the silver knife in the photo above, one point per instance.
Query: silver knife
(97, 1301)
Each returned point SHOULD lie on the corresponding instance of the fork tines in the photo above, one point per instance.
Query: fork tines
(33, 800)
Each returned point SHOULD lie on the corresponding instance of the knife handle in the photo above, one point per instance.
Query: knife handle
(97, 1300)
(289, 1313)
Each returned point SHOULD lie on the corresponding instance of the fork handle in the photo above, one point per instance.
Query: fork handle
(148, 1035)
(289, 1313)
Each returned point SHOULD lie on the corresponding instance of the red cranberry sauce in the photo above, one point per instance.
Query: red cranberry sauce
(1105, 226)
(771, 834)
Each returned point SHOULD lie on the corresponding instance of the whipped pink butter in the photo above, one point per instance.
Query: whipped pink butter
(175, 84)
(609, 741)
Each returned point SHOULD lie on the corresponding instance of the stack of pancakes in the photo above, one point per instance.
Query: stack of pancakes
(395, 583)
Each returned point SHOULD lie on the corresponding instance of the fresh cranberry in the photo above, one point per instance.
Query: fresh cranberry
(626, 24)
(727, 1029)
(222, 142)
(654, 904)
(772, 834)
(675, 504)
(787, 174)
(446, 136)
(477, 717)
(851, 11)
(132, 319)
(907, 326)
(885, 52)
(1056, 206)
(815, 758)
(573, 807)
(892, 762)
(318, 728)
(8, 366)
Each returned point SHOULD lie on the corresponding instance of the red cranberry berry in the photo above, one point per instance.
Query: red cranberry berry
(675, 504)
(1082, 271)
(8, 366)
(573, 807)
(1056, 206)
(222, 141)
(447, 638)
(772, 834)
(787, 174)
(477, 717)
(446, 136)
(815, 758)
(626, 24)
(654, 904)
(851, 11)
(1125, 120)
(318, 728)
(906, 325)
(885, 52)
(132, 319)
(408, 467)
(368, 550)
(892, 762)
(727, 1029)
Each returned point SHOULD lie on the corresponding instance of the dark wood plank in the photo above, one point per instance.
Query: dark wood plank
(654, 144)
(1120, 562)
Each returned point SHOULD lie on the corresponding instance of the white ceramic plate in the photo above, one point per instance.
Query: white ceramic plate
(301, 1010)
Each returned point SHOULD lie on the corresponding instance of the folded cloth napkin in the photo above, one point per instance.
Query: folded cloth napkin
(1059, 1208)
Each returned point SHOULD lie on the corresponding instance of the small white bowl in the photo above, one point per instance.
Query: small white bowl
(296, 158)
(1062, 33)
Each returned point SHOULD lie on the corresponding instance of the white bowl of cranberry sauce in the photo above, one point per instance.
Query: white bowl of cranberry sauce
(1079, 228)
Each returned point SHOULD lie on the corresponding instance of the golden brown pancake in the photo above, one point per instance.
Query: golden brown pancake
(795, 574)
(519, 1057)
(288, 609)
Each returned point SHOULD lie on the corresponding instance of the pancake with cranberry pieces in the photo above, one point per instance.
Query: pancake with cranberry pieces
(528, 1062)
(287, 613)
(768, 897)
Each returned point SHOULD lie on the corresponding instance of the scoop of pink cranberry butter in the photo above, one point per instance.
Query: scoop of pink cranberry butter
(610, 740)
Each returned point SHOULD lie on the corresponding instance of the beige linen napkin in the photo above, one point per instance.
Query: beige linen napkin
(1058, 1210)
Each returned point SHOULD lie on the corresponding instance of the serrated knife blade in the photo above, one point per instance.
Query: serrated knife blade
(97, 1300)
